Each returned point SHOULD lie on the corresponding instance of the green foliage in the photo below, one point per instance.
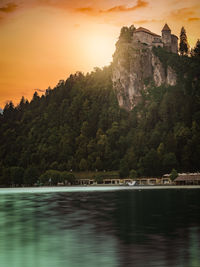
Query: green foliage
(183, 46)
(169, 161)
(173, 174)
(5, 178)
(69, 177)
(133, 174)
(17, 175)
(186, 68)
(197, 49)
(99, 179)
(124, 50)
(79, 126)
(126, 34)
(83, 166)
(31, 175)
(150, 163)
(124, 169)
(53, 177)
(98, 164)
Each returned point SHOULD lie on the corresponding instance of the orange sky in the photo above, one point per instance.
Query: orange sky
(43, 41)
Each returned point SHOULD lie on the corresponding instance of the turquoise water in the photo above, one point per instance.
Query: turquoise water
(102, 226)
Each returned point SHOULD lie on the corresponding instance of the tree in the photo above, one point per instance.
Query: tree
(173, 174)
(23, 102)
(85, 129)
(83, 166)
(124, 169)
(98, 179)
(31, 175)
(54, 165)
(69, 177)
(133, 174)
(183, 45)
(35, 96)
(51, 177)
(6, 177)
(169, 161)
(9, 111)
(160, 150)
(98, 164)
(150, 163)
(196, 51)
(126, 33)
(17, 174)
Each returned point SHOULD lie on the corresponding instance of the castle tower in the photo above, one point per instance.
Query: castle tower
(174, 46)
(166, 37)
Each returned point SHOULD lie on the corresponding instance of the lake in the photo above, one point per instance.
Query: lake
(99, 226)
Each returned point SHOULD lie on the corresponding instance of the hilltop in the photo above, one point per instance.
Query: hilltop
(136, 66)
(81, 126)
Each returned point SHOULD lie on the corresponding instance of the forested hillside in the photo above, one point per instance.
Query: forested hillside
(79, 126)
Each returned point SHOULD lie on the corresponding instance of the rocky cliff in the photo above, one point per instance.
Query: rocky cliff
(135, 67)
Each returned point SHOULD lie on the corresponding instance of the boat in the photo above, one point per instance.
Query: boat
(133, 183)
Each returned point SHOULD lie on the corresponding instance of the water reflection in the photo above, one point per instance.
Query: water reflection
(119, 228)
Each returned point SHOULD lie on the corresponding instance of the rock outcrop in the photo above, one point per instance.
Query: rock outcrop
(135, 67)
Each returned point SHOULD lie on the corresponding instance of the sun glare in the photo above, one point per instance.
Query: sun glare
(99, 49)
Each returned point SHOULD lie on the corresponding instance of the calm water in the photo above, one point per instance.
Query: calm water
(102, 227)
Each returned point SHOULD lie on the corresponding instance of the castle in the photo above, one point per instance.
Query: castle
(167, 40)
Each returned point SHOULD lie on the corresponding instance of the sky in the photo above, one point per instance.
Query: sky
(44, 41)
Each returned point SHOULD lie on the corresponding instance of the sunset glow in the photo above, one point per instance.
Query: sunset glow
(45, 41)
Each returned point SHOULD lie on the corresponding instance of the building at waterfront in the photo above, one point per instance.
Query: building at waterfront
(188, 179)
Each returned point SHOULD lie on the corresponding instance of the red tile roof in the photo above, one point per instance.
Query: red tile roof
(141, 29)
(189, 177)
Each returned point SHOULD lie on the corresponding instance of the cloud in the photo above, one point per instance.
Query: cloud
(89, 7)
(193, 19)
(145, 21)
(122, 8)
(85, 10)
(8, 8)
(185, 13)
(115, 9)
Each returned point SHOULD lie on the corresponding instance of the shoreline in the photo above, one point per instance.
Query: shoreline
(57, 189)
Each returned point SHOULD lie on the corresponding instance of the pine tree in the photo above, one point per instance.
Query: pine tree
(183, 45)
(197, 48)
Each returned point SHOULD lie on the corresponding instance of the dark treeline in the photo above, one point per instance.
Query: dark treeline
(79, 126)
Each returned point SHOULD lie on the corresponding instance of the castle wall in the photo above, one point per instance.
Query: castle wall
(144, 37)
(168, 40)
(157, 44)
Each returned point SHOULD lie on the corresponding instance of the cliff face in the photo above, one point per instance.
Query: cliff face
(135, 67)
